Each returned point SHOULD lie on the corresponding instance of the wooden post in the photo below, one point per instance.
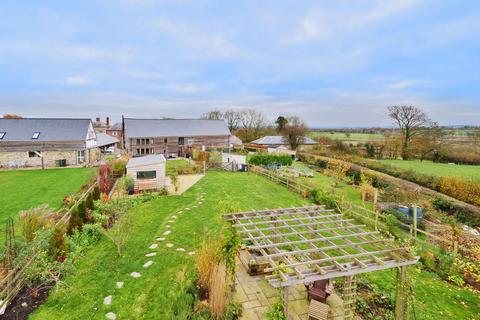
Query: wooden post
(402, 294)
(376, 219)
(285, 292)
(375, 196)
(415, 208)
(363, 196)
(455, 247)
(204, 166)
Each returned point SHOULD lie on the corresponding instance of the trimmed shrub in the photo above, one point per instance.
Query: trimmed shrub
(82, 211)
(462, 215)
(89, 202)
(96, 193)
(75, 222)
(270, 159)
(57, 243)
(322, 198)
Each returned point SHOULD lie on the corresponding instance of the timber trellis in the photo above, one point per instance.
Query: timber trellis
(371, 217)
(306, 244)
(13, 281)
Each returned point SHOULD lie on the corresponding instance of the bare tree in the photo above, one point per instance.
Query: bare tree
(428, 141)
(410, 121)
(232, 118)
(294, 132)
(213, 115)
(252, 122)
(12, 116)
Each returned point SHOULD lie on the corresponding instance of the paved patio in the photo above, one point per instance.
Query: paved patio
(256, 295)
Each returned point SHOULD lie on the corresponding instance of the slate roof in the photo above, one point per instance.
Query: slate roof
(279, 140)
(50, 129)
(104, 139)
(137, 128)
(116, 126)
(146, 160)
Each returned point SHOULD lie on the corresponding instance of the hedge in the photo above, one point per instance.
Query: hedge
(268, 159)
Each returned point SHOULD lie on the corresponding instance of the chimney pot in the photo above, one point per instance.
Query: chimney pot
(108, 121)
(97, 119)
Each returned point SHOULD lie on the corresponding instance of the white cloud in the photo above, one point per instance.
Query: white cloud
(404, 84)
(78, 80)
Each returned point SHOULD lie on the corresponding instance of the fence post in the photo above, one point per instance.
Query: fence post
(375, 196)
(376, 219)
(415, 208)
(455, 247)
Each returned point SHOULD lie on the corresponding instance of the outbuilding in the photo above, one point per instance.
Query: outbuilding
(148, 172)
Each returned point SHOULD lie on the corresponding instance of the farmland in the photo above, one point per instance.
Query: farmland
(360, 137)
(150, 296)
(25, 189)
(469, 172)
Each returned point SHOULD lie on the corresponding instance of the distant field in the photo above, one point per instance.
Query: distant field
(346, 136)
(438, 169)
(25, 189)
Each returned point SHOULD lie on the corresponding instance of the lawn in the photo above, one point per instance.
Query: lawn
(437, 169)
(25, 189)
(150, 296)
(364, 137)
(177, 163)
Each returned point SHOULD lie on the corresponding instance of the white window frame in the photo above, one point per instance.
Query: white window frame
(2, 135)
(35, 135)
(80, 156)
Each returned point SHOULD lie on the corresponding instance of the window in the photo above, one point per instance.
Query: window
(138, 151)
(80, 156)
(114, 133)
(181, 141)
(2, 134)
(35, 135)
(34, 154)
(190, 142)
(141, 175)
(165, 140)
(147, 141)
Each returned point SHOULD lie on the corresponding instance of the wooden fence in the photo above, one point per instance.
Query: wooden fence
(368, 216)
(13, 281)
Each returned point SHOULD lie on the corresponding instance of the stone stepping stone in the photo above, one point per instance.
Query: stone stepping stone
(135, 274)
(111, 316)
(171, 221)
(151, 254)
(160, 239)
(179, 211)
(174, 217)
(166, 233)
(191, 253)
(148, 264)
(195, 206)
(187, 209)
(107, 300)
(167, 226)
(153, 246)
(180, 250)
(169, 245)
(119, 284)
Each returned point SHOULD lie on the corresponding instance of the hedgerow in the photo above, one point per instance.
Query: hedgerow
(269, 159)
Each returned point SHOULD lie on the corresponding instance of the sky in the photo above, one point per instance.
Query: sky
(333, 63)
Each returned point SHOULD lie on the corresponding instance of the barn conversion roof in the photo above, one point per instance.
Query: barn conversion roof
(279, 140)
(44, 129)
(146, 160)
(104, 139)
(136, 128)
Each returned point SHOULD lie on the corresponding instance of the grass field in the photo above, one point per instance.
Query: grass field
(25, 189)
(177, 163)
(150, 296)
(437, 169)
(364, 137)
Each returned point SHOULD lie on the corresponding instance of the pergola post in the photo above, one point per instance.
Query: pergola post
(285, 293)
(402, 294)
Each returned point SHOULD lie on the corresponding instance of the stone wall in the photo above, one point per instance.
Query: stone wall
(49, 157)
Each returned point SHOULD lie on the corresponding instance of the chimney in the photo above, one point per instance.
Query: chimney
(107, 121)
(97, 119)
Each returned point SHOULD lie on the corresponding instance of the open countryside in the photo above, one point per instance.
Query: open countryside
(215, 160)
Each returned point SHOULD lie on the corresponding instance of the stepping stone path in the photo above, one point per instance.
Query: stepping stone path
(111, 316)
(180, 250)
(167, 226)
(169, 245)
(148, 264)
(135, 274)
(153, 246)
(191, 253)
(120, 284)
(160, 239)
(166, 233)
(151, 254)
(171, 221)
(107, 300)
(174, 217)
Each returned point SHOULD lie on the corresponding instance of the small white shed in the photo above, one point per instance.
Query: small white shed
(148, 172)
(236, 159)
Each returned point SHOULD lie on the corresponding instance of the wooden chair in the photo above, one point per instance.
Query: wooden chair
(318, 291)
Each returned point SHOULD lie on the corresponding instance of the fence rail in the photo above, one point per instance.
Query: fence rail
(368, 216)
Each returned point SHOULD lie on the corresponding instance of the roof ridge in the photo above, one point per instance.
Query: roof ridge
(39, 118)
(173, 119)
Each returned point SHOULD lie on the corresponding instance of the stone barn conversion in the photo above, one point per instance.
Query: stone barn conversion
(148, 172)
(46, 142)
(174, 137)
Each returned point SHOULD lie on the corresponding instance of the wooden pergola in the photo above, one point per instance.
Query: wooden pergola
(306, 244)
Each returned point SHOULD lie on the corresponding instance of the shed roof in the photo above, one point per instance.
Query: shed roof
(146, 160)
(279, 140)
(136, 128)
(49, 129)
(104, 139)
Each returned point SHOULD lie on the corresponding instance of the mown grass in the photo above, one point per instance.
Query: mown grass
(437, 169)
(25, 189)
(149, 297)
(178, 163)
(81, 294)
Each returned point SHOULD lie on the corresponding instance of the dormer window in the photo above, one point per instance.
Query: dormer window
(2, 134)
(35, 135)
